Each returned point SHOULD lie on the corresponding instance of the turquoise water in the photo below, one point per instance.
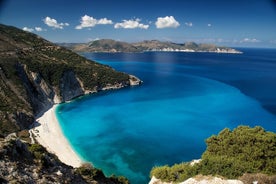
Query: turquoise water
(185, 98)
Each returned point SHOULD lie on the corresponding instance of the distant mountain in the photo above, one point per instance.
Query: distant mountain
(108, 45)
(111, 46)
(155, 45)
(35, 74)
(104, 45)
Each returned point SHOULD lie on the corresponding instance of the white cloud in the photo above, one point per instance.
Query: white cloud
(88, 22)
(166, 22)
(131, 24)
(189, 24)
(209, 25)
(53, 23)
(104, 21)
(28, 29)
(39, 29)
(250, 40)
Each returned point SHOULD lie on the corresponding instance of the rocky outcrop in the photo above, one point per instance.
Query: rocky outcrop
(200, 180)
(245, 179)
(24, 163)
(21, 163)
(210, 180)
(134, 81)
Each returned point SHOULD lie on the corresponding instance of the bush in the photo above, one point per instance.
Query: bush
(229, 154)
(119, 179)
(37, 150)
(243, 150)
(88, 171)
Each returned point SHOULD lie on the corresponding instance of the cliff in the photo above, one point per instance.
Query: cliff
(35, 74)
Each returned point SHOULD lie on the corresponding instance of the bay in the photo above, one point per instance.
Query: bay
(184, 99)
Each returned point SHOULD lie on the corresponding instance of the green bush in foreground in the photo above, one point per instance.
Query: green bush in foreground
(229, 154)
(90, 174)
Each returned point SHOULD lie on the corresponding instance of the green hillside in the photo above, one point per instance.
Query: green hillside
(35, 72)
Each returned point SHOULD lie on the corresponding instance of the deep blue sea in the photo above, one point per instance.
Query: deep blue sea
(184, 99)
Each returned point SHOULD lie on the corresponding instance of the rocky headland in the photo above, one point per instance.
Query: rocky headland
(35, 74)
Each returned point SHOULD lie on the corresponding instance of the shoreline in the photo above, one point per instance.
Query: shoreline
(47, 132)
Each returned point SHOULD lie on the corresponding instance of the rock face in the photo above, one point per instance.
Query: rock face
(211, 180)
(70, 87)
(19, 165)
(38, 91)
(245, 179)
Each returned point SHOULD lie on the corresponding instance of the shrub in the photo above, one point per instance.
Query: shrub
(229, 154)
(87, 170)
(37, 150)
(90, 173)
(119, 179)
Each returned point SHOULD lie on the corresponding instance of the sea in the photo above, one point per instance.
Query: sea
(184, 99)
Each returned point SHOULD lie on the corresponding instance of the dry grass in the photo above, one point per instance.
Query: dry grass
(24, 135)
(261, 178)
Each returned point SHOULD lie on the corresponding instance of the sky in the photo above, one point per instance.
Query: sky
(237, 23)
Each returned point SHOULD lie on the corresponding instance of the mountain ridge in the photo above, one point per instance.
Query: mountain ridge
(112, 46)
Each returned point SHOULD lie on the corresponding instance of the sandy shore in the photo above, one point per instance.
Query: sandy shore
(48, 133)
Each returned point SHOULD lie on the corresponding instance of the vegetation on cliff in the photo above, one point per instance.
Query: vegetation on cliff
(34, 73)
(229, 154)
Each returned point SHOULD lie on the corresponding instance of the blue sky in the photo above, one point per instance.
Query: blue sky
(250, 23)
